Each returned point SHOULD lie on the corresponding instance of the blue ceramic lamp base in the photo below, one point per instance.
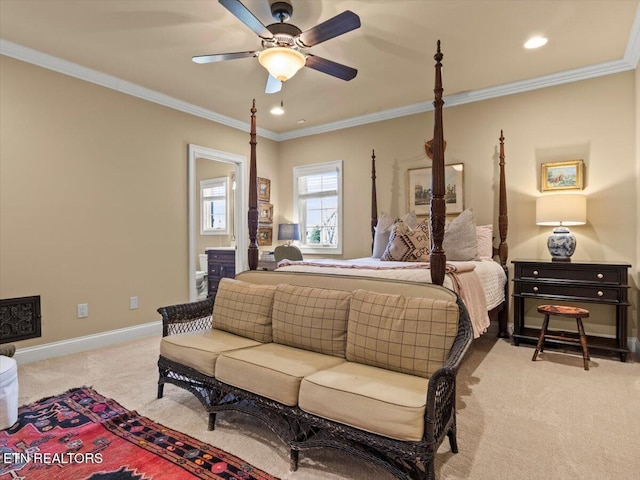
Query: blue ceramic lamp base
(561, 244)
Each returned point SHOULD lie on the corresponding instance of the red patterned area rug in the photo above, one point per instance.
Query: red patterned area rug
(81, 435)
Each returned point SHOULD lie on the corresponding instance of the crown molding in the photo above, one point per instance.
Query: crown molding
(628, 62)
(50, 62)
(569, 76)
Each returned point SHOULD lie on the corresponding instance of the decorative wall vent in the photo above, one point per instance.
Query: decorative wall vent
(19, 318)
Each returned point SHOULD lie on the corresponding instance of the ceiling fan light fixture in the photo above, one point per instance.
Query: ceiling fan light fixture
(281, 62)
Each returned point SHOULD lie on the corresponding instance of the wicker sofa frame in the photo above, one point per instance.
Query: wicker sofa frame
(301, 430)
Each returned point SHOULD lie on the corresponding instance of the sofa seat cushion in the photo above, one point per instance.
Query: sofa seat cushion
(201, 350)
(410, 335)
(311, 318)
(244, 309)
(271, 370)
(379, 401)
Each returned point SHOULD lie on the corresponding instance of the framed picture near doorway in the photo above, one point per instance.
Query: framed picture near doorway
(264, 189)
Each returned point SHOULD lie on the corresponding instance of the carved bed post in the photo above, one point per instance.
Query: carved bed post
(503, 248)
(374, 199)
(503, 219)
(253, 195)
(437, 258)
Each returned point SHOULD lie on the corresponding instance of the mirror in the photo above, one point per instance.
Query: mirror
(206, 164)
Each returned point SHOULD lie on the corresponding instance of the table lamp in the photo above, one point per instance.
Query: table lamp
(561, 211)
(289, 232)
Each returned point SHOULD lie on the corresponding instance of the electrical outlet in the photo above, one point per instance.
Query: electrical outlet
(83, 310)
(133, 303)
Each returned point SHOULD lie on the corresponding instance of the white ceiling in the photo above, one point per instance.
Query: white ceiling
(149, 44)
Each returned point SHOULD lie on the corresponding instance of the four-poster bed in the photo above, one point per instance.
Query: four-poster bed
(439, 269)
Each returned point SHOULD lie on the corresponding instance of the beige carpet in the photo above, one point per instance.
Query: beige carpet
(516, 419)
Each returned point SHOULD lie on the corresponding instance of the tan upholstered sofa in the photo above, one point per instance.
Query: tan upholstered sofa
(364, 365)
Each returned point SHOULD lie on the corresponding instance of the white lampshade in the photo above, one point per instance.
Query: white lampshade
(566, 210)
(281, 62)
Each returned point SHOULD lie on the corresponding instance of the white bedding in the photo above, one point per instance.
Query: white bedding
(491, 278)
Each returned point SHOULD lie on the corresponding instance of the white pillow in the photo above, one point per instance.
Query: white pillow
(484, 239)
(460, 242)
(381, 238)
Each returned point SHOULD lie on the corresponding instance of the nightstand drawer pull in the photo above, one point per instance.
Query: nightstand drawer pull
(600, 293)
(535, 272)
(600, 276)
(535, 289)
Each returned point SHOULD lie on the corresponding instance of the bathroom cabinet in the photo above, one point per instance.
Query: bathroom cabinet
(221, 263)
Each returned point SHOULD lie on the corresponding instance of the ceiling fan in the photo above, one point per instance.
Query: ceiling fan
(283, 43)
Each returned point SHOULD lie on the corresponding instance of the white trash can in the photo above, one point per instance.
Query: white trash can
(8, 392)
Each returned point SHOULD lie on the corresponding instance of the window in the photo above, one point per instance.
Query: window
(213, 198)
(317, 191)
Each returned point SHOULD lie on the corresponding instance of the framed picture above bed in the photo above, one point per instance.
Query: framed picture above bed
(562, 176)
(419, 189)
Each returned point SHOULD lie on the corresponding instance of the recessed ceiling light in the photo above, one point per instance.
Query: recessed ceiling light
(302, 120)
(535, 42)
(278, 109)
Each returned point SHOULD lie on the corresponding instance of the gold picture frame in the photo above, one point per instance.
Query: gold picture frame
(264, 189)
(419, 189)
(265, 213)
(567, 175)
(265, 236)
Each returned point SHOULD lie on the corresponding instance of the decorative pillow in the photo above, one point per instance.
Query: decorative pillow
(381, 238)
(244, 309)
(311, 318)
(410, 218)
(484, 239)
(405, 334)
(460, 242)
(408, 245)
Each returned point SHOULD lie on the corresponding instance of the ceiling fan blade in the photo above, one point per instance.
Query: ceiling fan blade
(220, 57)
(273, 85)
(342, 23)
(331, 68)
(245, 16)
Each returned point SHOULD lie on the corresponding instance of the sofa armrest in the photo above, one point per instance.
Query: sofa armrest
(441, 393)
(187, 317)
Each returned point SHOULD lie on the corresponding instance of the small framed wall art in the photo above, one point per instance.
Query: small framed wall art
(265, 213)
(562, 176)
(265, 236)
(264, 189)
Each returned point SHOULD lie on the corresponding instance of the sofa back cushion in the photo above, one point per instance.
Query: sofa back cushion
(405, 334)
(311, 318)
(244, 309)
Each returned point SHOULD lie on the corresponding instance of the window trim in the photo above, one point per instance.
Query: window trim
(313, 169)
(207, 184)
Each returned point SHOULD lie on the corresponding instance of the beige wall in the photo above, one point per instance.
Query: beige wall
(93, 184)
(637, 125)
(93, 198)
(592, 120)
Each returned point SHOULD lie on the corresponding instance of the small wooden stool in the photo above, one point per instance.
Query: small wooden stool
(563, 311)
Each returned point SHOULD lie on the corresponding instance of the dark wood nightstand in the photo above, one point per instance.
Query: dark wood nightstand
(595, 282)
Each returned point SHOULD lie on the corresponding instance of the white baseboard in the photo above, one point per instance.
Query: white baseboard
(88, 342)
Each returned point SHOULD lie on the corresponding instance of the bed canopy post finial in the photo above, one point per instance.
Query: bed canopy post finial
(374, 199)
(503, 219)
(253, 195)
(438, 206)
